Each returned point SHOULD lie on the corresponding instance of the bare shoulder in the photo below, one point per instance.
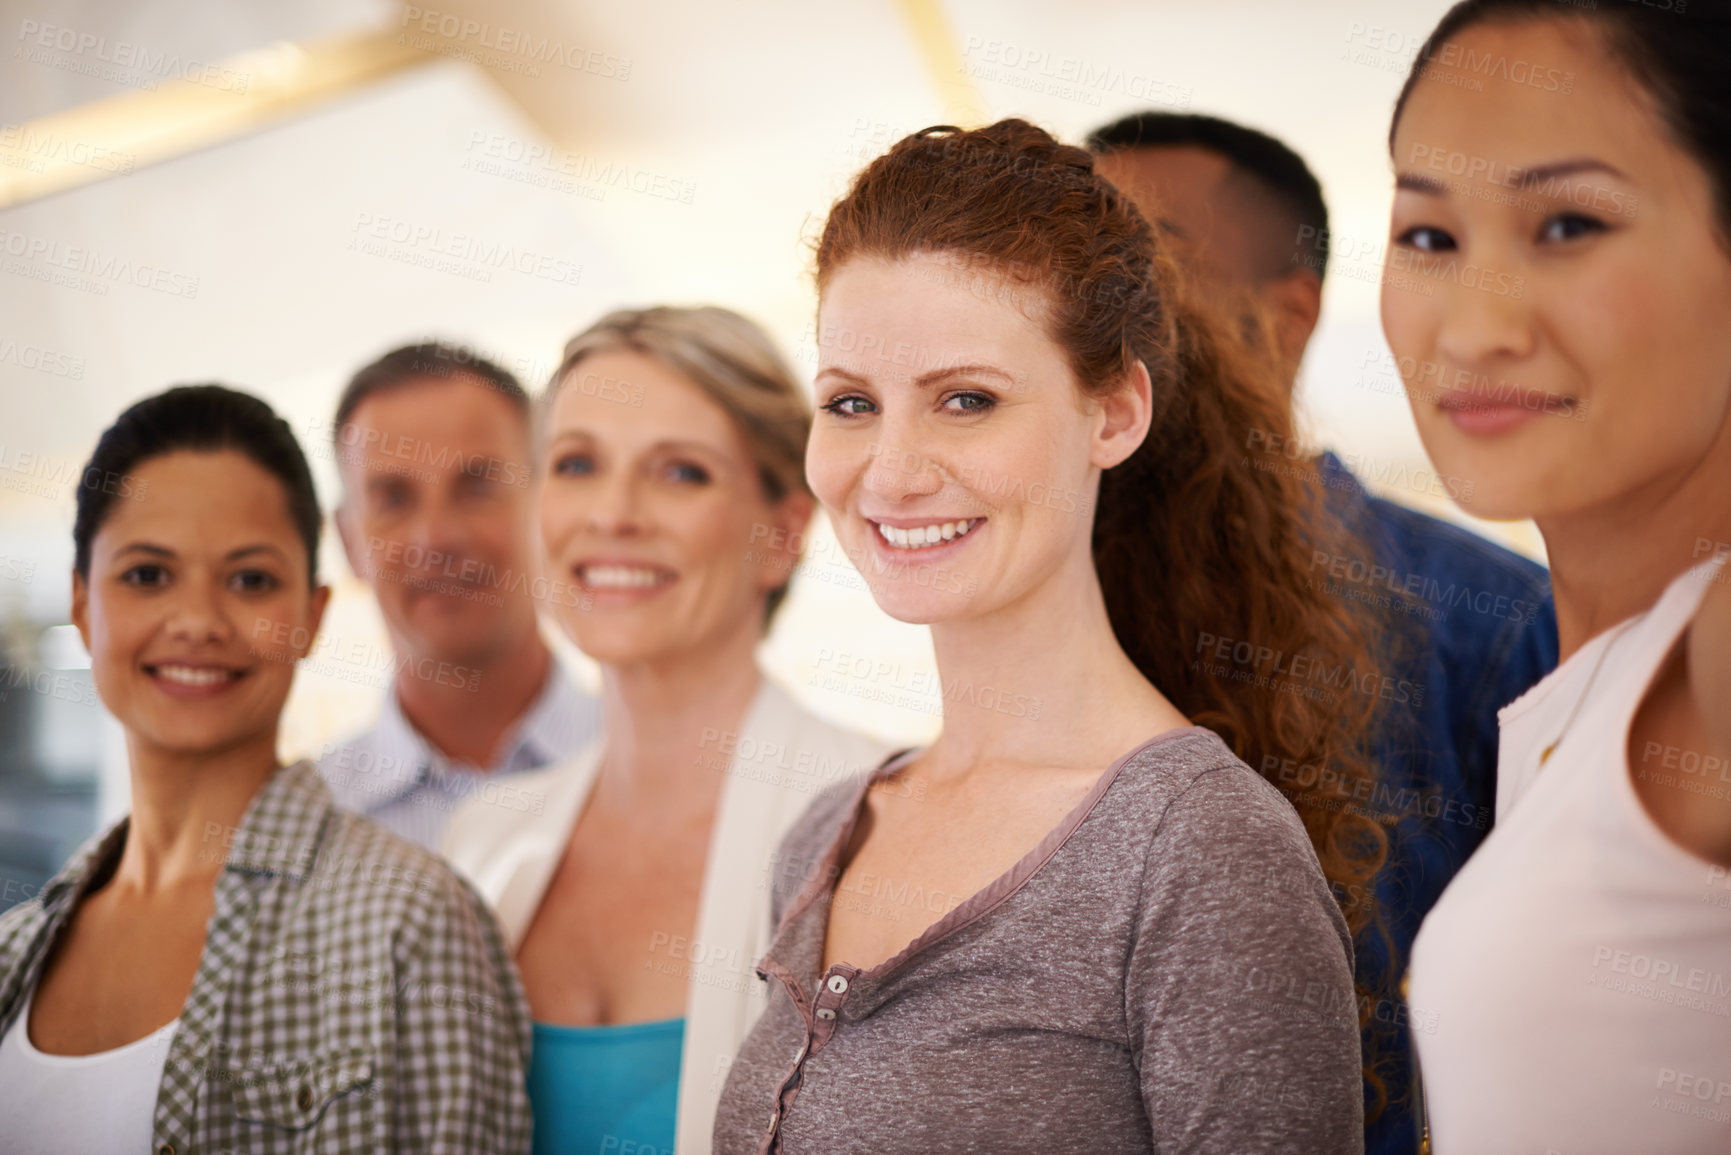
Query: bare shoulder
(1709, 659)
(1680, 739)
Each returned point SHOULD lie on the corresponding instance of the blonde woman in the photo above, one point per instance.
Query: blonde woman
(637, 899)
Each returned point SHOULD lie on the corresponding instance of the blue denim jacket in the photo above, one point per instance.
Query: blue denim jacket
(1485, 632)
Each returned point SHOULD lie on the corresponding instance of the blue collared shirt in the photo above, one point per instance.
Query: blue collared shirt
(1485, 631)
(394, 776)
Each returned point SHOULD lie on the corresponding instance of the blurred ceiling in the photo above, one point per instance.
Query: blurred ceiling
(555, 159)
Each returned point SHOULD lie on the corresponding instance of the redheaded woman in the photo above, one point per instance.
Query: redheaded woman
(1032, 442)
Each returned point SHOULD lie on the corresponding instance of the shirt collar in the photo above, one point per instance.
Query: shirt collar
(1336, 474)
(92, 858)
(546, 732)
(550, 729)
(1343, 493)
(279, 834)
(283, 826)
(396, 737)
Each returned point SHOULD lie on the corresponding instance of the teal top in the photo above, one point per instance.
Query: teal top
(606, 1089)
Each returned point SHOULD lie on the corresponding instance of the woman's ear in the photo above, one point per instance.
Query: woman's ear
(321, 600)
(81, 608)
(1294, 303)
(1123, 418)
(777, 544)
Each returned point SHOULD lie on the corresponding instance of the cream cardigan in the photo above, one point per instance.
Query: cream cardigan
(782, 758)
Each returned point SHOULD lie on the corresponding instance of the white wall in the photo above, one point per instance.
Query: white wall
(761, 110)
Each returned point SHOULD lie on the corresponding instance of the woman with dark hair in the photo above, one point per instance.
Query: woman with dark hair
(1567, 218)
(1036, 444)
(237, 964)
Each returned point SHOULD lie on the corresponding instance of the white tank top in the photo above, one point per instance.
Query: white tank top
(75, 1104)
(1571, 990)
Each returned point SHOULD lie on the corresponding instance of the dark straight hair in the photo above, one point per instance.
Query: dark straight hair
(1267, 161)
(1678, 51)
(202, 419)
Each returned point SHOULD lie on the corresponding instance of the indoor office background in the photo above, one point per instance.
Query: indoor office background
(269, 195)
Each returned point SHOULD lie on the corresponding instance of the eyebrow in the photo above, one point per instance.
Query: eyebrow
(1412, 182)
(1432, 186)
(932, 377)
(1168, 225)
(145, 547)
(249, 550)
(664, 443)
(154, 550)
(1532, 176)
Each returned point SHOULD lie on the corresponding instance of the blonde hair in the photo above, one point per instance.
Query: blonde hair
(735, 363)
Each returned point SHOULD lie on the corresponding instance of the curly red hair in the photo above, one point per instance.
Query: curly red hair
(1198, 535)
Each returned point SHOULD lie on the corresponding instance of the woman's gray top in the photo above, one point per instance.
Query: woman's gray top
(1166, 971)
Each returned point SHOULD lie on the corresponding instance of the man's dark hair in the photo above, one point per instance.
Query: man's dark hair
(412, 363)
(197, 419)
(1276, 169)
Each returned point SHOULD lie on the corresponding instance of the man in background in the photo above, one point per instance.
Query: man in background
(433, 444)
(1247, 218)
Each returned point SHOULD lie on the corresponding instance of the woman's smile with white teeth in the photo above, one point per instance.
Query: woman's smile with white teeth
(194, 675)
(622, 577)
(924, 536)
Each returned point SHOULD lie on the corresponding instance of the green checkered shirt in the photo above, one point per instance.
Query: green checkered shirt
(354, 994)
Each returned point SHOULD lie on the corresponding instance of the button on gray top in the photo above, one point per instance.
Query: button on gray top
(1137, 968)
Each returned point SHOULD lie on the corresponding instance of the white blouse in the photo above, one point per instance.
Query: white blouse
(1571, 990)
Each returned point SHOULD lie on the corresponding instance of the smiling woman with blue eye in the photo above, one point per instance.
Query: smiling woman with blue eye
(1558, 298)
(238, 964)
(672, 508)
(1032, 438)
